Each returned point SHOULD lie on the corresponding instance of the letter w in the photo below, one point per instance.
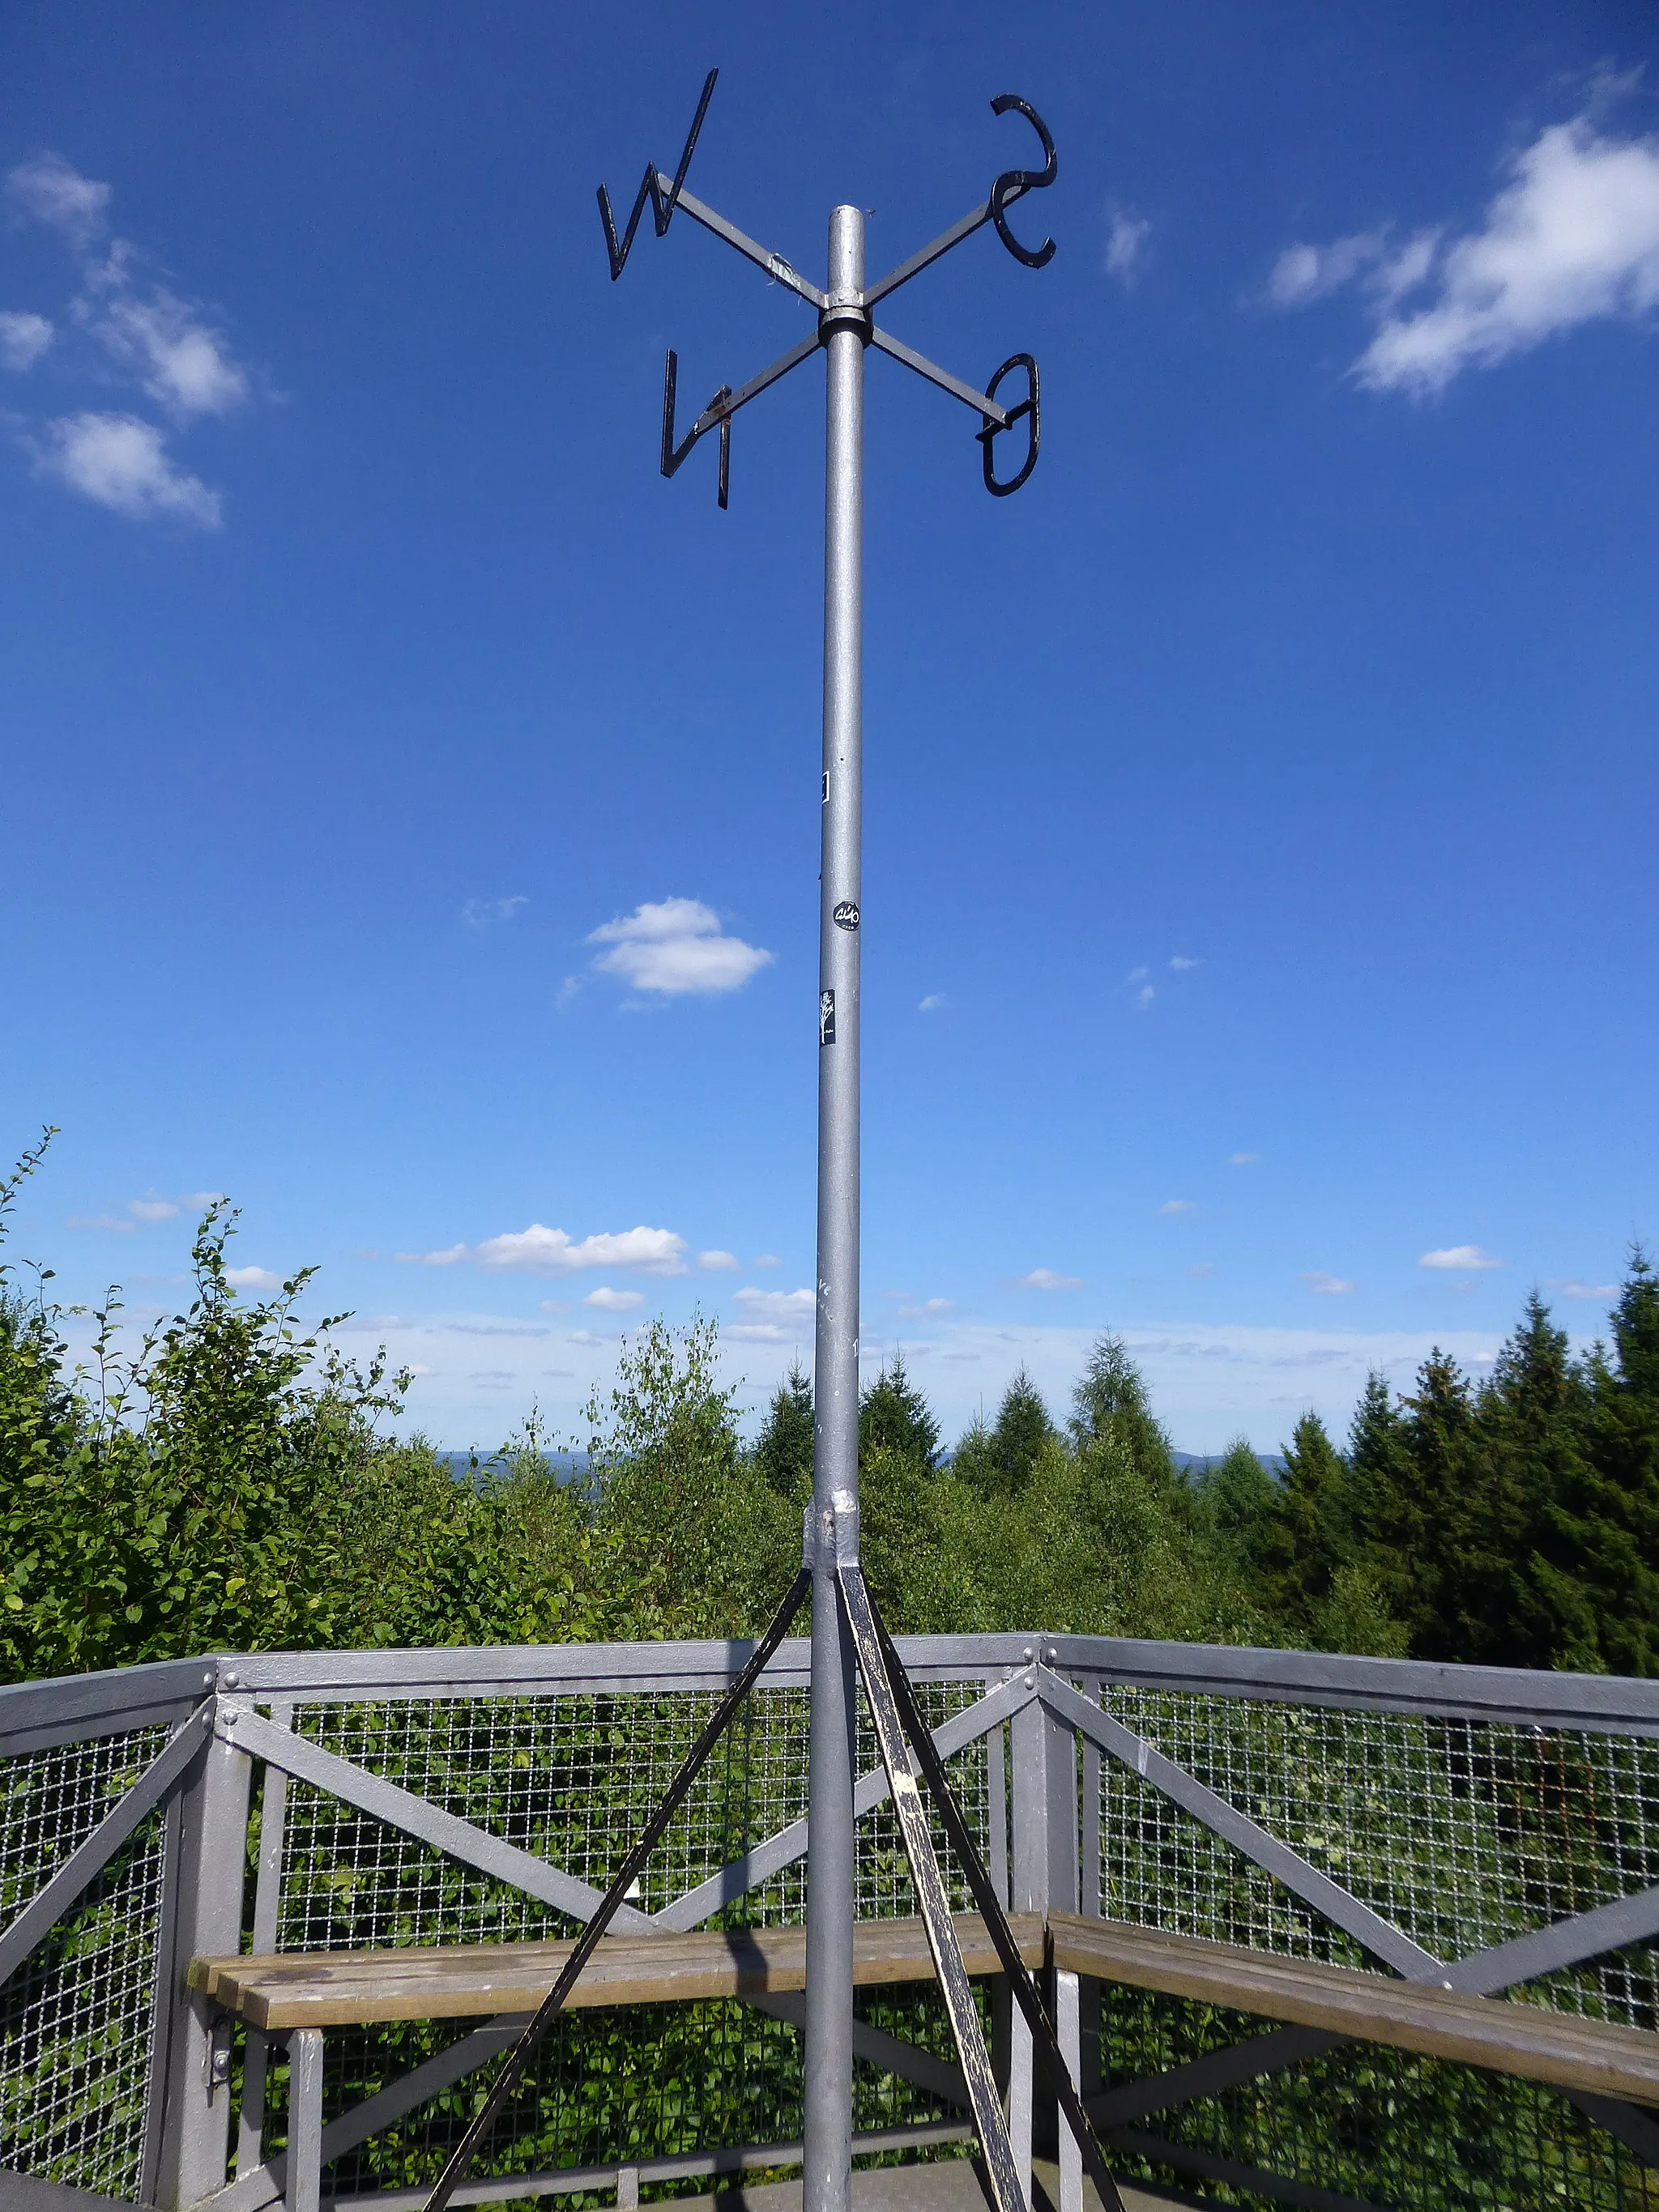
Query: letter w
(662, 204)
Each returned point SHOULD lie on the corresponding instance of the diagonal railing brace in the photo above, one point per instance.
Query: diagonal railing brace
(512, 2072)
(893, 1708)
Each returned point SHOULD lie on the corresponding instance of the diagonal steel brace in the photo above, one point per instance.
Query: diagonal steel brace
(512, 2073)
(894, 1710)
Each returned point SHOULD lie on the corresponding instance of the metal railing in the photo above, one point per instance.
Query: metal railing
(1491, 1828)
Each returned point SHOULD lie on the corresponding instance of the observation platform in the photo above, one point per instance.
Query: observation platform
(1313, 1929)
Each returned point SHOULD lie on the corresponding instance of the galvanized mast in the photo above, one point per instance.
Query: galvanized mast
(846, 328)
(844, 324)
(849, 1643)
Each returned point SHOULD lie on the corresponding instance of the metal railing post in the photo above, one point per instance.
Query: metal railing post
(192, 2088)
(1045, 1814)
(1043, 1873)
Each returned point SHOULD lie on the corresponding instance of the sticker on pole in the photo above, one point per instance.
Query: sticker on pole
(846, 916)
(826, 1018)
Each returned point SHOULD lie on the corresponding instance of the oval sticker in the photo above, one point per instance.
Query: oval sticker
(847, 915)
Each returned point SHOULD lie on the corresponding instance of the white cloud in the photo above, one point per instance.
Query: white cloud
(1178, 1206)
(540, 1251)
(122, 463)
(178, 358)
(254, 1278)
(478, 914)
(1403, 271)
(928, 1309)
(1183, 960)
(101, 1221)
(1126, 236)
(719, 1262)
(773, 1316)
(1574, 1290)
(585, 1337)
(165, 345)
(1326, 1286)
(1144, 996)
(931, 1003)
(151, 1209)
(1573, 237)
(766, 1259)
(23, 338)
(1309, 272)
(675, 946)
(1244, 1159)
(610, 1301)
(1045, 1278)
(1137, 976)
(201, 1199)
(48, 188)
(1464, 1257)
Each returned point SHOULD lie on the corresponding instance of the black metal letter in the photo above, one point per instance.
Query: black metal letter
(662, 207)
(672, 455)
(1026, 408)
(1017, 180)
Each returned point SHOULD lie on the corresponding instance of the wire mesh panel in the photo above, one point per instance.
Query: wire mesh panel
(1462, 1833)
(572, 1777)
(75, 2015)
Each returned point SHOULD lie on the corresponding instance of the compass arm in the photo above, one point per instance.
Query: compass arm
(724, 406)
(720, 410)
(1012, 184)
(929, 254)
(986, 408)
(781, 271)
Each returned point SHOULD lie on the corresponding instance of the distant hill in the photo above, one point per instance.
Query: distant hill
(1200, 1463)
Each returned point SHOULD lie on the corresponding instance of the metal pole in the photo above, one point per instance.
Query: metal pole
(845, 324)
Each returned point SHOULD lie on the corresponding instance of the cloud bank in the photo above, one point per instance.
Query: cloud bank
(540, 1251)
(1572, 238)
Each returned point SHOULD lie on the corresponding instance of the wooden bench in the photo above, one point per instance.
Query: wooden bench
(1503, 2034)
(292, 1989)
(298, 1994)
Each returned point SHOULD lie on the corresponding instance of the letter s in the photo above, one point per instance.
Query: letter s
(1013, 182)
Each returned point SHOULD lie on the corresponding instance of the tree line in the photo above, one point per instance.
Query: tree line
(230, 1483)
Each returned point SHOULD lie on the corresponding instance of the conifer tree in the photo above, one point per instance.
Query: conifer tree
(783, 1450)
(1310, 1535)
(1110, 1406)
(1241, 1496)
(997, 1461)
(894, 1417)
(1385, 1518)
(1520, 1570)
(1618, 1507)
(1022, 1432)
(1441, 1507)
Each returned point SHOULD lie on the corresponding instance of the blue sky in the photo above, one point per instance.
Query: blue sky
(411, 799)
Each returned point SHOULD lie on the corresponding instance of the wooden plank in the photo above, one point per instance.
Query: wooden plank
(1603, 2057)
(333, 1989)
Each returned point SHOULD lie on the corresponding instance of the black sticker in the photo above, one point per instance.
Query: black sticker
(846, 916)
(826, 1018)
